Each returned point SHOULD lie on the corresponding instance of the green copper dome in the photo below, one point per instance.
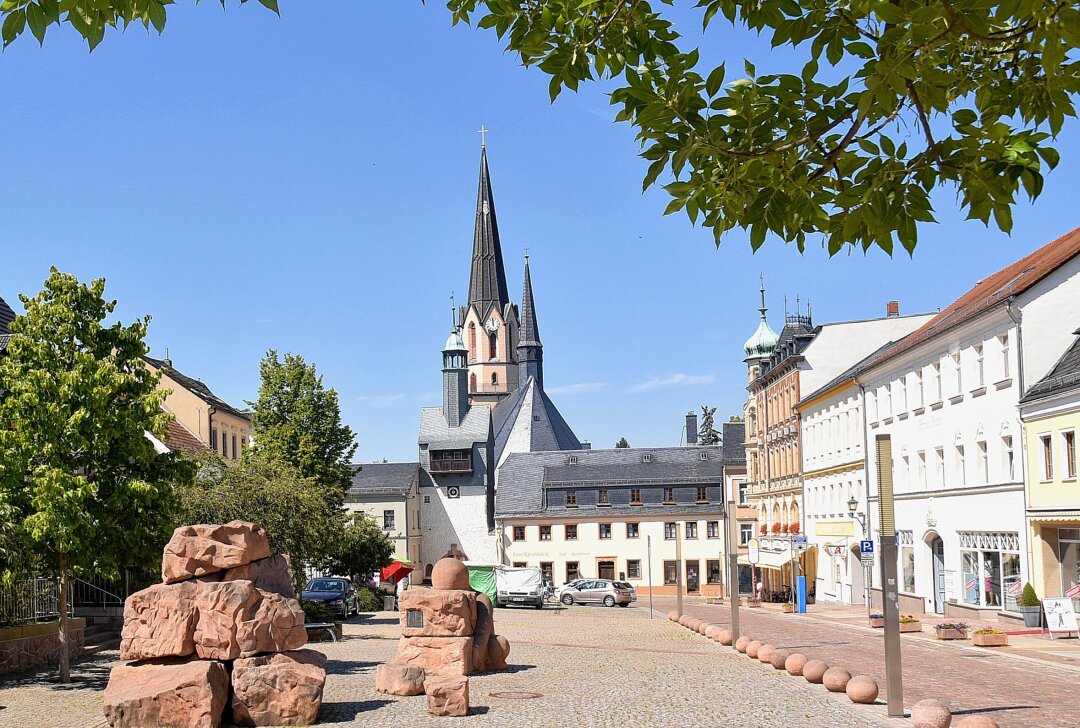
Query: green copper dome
(763, 341)
(454, 342)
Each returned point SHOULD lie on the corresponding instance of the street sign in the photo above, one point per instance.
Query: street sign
(753, 553)
(1060, 616)
(866, 547)
(867, 559)
(799, 543)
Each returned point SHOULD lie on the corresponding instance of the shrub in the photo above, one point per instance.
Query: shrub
(962, 626)
(369, 600)
(317, 612)
(1028, 597)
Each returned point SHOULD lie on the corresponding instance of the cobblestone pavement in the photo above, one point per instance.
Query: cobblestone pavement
(1014, 690)
(586, 666)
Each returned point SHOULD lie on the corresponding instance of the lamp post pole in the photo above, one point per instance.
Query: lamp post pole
(648, 546)
(732, 566)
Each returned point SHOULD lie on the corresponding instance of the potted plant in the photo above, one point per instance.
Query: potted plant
(989, 637)
(784, 528)
(951, 630)
(776, 527)
(789, 608)
(1030, 607)
(910, 623)
(793, 529)
(877, 620)
(764, 529)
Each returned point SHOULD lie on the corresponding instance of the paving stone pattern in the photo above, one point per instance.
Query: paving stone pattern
(592, 666)
(1017, 692)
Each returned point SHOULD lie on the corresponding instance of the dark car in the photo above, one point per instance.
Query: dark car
(336, 593)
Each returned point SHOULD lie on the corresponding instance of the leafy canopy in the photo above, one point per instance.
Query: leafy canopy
(894, 99)
(298, 421)
(90, 18)
(362, 549)
(622, 443)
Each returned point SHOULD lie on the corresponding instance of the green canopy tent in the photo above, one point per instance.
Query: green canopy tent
(482, 578)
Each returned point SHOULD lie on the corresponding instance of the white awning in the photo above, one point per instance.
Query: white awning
(1054, 516)
(775, 560)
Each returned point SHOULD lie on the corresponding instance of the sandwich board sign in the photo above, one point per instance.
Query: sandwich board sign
(1060, 616)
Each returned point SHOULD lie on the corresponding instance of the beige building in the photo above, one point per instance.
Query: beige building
(1051, 415)
(214, 422)
(390, 494)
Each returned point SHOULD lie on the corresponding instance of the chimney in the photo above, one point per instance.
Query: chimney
(892, 309)
(586, 445)
(691, 428)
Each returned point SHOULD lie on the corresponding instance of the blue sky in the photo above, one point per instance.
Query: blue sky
(307, 183)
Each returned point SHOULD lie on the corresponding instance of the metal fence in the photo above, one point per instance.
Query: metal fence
(32, 600)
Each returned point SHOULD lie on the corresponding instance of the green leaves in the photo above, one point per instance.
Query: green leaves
(920, 96)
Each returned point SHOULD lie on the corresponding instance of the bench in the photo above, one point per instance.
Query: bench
(328, 626)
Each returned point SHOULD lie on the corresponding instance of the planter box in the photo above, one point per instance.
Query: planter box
(950, 634)
(877, 622)
(911, 626)
(990, 640)
(753, 604)
(789, 608)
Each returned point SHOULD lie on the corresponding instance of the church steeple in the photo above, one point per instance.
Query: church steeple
(487, 282)
(529, 349)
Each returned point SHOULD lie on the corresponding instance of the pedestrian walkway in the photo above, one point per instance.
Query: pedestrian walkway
(1019, 686)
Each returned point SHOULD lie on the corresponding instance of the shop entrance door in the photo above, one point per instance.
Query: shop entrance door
(692, 583)
(937, 548)
(606, 569)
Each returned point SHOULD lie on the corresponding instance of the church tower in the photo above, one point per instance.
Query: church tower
(530, 352)
(489, 320)
(455, 376)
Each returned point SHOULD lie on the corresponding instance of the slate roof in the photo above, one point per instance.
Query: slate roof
(530, 332)
(6, 317)
(524, 477)
(196, 387)
(1064, 377)
(181, 439)
(383, 478)
(1011, 280)
(440, 436)
(530, 407)
(487, 282)
(733, 443)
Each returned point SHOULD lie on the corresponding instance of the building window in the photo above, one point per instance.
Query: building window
(984, 462)
(213, 440)
(1003, 343)
(744, 489)
(712, 529)
(669, 495)
(746, 532)
(388, 520)
(472, 383)
(572, 571)
(633, 568)
(1047, 451)
(907, 568)
(427, 499)
(646, 458)
(991, 578)
(703, 455)
(917, 390)
(494, 380)
(936, 369)
(635, 496)
(702, 495)
(602, 498)
(571, 499)
(520, 564)
(545, 533)
(1008, 457)
(671, 572)
(631, 530)
(980, 369)
(939, 464)
(605, 531)
(472, 347)
(493, 346)
(921, 462)
(235, 453)
(572, 460)
(519, 533)
(670, 531)
(961, 471)
(546, 571)
(959, 372)
(571, 532)
(1068, 441)
(691, 529)
(712, 571)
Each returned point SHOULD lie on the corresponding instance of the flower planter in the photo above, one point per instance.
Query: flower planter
(877, 622)
(945, 633)
(915, 626)
(789, 608)
(990, 640)
(754, 603)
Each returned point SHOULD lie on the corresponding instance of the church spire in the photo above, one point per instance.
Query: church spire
(530, 350)
(487, 282)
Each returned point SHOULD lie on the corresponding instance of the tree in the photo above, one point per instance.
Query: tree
(363, 548)
(622, 443)
(921, 94)
(735, 418)
(90, 19)
(707, 434)
(301, 518)
(81, 486)
(298, 421)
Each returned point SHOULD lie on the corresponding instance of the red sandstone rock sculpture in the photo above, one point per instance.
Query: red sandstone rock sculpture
(171, 693)
(204, 549)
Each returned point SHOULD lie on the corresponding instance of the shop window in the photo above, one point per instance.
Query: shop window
(1069, 559)
(907, 568)
(712, 571)
(671, 572)
(546, 571)
(572, 571)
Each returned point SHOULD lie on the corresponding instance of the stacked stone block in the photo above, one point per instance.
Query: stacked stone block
(221, 634)
(447, 634)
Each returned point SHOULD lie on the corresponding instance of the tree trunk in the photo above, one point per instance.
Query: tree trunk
(65, 667)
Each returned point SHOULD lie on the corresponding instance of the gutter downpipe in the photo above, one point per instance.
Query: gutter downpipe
(210, 426)
(1018, 321)
(869, 575)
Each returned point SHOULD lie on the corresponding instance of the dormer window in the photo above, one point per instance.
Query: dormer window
(573, 460)
(703, 456)
(646, 458)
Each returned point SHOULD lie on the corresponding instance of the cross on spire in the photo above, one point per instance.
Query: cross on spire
(483, 136)
(453, 311)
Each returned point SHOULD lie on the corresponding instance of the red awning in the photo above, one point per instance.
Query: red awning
(395, 572)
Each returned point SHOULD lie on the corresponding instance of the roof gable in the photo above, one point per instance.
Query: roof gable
(196, 387)
(383, 478)
(1064, 377)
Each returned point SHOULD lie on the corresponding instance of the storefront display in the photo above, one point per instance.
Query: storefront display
(990, 569)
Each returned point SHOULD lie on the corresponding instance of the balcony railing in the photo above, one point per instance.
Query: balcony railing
(451, 466)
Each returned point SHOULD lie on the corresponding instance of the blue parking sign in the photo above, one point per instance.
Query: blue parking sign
(866, 547)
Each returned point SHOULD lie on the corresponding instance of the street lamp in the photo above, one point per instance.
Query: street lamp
(852, 506)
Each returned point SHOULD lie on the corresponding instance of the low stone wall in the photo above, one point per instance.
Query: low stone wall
(30, 646)
(909, 603)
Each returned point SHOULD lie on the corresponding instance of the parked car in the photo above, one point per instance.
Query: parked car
(629, 587)
(596, 591)
(336, 592)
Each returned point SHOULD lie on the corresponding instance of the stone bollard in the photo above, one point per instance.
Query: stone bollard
(931, 713)
(977, 721)
(752, 649)
(779, 659)
(765, 654)
(673, 616)
(713, 631)
(814, 671)
(794, 664)
(724, 637)
(862, 689)
(741, 643)
(836, 679)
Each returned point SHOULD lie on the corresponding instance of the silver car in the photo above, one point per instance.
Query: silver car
(597, 591)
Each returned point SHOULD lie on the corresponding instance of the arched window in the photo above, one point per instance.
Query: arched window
(493, 346)
(793, 514)
(472, 341)
(472, 382)
(776, 513)
(494, 379)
